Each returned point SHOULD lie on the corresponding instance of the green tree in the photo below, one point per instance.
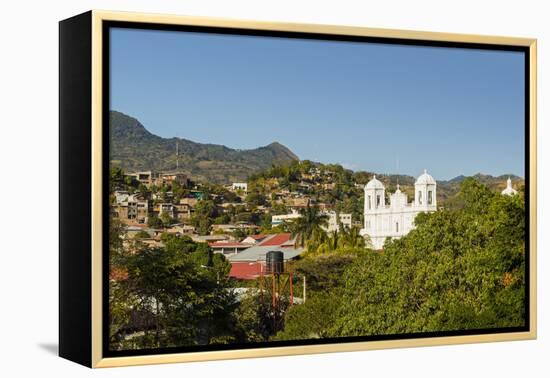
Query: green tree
(255, 198)
(154, 222)
(179, 296)
(203, 218)
(142, 235)
(309, 227)
(165, 219)
(117, 178)
(458, 269)
(252, 319)
(311, 320)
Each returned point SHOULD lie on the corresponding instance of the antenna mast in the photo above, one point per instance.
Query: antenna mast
(177, 155)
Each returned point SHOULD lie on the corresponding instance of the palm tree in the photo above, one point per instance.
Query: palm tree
(330, 244)
(309, 227)
(351, 238)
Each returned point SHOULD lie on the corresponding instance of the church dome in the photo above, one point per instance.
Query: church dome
(425, 178)
(374, 184)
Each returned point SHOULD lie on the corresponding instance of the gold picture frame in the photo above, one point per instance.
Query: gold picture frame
(90, 26)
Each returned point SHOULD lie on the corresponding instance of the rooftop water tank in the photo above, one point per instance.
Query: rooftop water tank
(274, 262)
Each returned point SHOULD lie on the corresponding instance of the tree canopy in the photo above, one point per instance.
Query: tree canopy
(458, 269)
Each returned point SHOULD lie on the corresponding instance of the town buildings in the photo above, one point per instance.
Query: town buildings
(149, 178)
(396, 219)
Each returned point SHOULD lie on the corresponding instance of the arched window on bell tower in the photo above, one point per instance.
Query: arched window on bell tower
(425, 189)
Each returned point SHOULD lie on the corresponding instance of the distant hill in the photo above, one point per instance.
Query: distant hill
(134, 148)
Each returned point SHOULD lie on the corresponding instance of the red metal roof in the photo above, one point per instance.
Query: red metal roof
(276, 239)
(245, 270)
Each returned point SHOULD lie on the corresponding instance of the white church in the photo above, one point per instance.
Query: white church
(396, 219)
(509, 191)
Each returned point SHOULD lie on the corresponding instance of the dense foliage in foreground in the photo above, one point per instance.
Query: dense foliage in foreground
(459, 269)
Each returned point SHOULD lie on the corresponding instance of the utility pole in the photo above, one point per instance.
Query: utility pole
(304, 289)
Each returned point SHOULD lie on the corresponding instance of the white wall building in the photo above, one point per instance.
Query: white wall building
(240, 186)
(345, 219)
(277, 220)
(395, 219)
(509, 191)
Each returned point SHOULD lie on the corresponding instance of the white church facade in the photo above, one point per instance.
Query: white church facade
(395, 219)
(509, 191)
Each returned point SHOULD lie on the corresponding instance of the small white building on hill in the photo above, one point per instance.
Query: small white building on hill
(395, 219)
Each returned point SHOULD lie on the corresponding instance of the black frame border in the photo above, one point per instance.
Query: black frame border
(107, 25)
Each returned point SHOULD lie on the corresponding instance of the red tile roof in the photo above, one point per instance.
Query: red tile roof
(276, 239)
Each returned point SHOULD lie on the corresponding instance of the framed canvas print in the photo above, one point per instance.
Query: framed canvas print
(234, 189)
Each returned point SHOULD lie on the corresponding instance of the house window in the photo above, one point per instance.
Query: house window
(396, 226)
(430, 200)
(420, 197)
(369, 202)
(378, 200)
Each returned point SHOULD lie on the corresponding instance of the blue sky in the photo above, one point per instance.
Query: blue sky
(381, 108)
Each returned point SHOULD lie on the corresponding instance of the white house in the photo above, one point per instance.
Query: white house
(277, 220)
(240, 186)
(395, 219)
(509, 191)
(345, 219)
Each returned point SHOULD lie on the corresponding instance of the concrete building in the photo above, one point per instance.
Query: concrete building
(277, 220)
(130, 208)
(146, 177)
(333, 224)
(169, 178)
(165, 208)
(298, 203)
(243, 186)
(395, 219)
(185, 208)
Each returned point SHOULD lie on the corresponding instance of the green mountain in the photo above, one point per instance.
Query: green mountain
(134, 148)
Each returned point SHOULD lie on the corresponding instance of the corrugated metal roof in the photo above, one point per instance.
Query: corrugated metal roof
(276, 239)
(228, 245)
(245, 270)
